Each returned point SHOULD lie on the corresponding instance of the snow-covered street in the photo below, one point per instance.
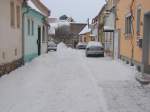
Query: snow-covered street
(67, 81)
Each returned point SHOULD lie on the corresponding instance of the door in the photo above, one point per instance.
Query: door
(39, 40)
(146, 44)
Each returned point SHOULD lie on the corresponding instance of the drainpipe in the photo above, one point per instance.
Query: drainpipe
(23, 37)
(132, 35)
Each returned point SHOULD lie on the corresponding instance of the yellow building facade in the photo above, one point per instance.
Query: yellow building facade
(86, 37)
(130, 22)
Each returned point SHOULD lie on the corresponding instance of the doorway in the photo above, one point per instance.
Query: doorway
(146, 44)
(39, 40)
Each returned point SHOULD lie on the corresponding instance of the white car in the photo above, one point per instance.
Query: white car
(52, 46)
(94, 49)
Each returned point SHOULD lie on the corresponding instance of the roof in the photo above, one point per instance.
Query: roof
(76, 28)
(32, 5)
(85, 30)
(38, 6)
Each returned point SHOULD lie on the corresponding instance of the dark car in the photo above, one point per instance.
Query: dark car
(52, 46)
(81, 45)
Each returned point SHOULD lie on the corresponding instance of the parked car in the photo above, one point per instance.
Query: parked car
(52, 46)
(81, 45)
(94, 49)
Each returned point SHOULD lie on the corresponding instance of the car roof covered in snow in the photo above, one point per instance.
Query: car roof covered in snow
(94, 44)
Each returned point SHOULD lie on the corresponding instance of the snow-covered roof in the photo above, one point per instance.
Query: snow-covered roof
(85, 30)
(32, 5)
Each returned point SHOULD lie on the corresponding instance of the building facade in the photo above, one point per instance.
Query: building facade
(133, 22)
(11, 35)
(111, 34)
(35, 31)
(101, 20)
(94, 29)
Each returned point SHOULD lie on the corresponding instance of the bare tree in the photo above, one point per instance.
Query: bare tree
(63, 33)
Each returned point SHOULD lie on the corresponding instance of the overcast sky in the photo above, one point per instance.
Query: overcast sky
(80, 10)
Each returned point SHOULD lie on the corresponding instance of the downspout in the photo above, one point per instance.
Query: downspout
(114, 12)
(132, 33)
(23, 36)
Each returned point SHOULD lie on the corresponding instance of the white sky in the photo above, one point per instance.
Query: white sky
(80, 10)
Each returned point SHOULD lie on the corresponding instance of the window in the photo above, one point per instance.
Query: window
(32, 27)
(18, 16)
(12, 14)
(28, 26)
(128, 25)
(138, 21)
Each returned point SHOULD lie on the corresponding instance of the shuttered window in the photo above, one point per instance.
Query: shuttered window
(28, 26)
(12, 14)
(138, 20)
(128, 25)
(32, 27)
(18, 16)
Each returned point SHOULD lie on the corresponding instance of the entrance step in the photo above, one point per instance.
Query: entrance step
(144, 79)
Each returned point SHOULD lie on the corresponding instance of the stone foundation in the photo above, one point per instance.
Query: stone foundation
(7, 68)
(134, 63)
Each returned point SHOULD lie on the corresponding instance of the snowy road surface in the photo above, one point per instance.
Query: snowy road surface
(67, 81)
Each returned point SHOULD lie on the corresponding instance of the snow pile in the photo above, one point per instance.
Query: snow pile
(61, 46)
(63, 51)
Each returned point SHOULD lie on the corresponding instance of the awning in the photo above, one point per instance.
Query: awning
(110, 23)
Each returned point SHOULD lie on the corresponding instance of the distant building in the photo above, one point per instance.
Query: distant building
(65, 31)
(101, 21)
(94, 29)
(85, 35)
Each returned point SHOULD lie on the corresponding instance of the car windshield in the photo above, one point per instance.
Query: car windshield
(95, 48)
(52, 44)
(94, 44)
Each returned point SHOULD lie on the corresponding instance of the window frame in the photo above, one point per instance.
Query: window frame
(128, 25)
